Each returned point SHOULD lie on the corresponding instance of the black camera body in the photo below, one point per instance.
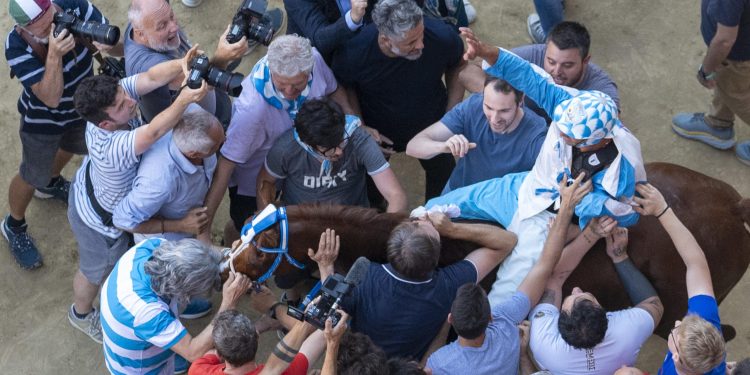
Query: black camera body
(200, 69)
(113, 67)
(333, 289)
(248, 22)
(95, 31)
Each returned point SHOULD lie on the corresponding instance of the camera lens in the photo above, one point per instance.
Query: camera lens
(261, 32)
(225, 81)
(98, 32)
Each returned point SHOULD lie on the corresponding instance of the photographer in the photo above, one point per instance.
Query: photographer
(49, 68)
(117, 138)
(153, 36)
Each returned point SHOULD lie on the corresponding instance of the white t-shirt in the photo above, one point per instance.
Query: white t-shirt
(627, 330)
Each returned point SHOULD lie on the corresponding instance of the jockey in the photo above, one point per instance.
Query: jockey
(585, 136)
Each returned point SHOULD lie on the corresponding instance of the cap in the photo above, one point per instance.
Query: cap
(25, 12)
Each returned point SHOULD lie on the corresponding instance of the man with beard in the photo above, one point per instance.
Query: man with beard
(565, 57)
(395, 70)
(154, 36)
(507, 139)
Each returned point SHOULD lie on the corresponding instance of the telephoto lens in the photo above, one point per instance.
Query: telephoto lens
(225, 81)
(98, 32)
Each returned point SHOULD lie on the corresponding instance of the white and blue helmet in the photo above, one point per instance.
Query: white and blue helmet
(591, 116)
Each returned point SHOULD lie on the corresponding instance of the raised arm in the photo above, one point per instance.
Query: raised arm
(50, 89)
(165, 73)
(533, 284)
(313, 24)
(328, 251)
(698, 275)
(438, 139)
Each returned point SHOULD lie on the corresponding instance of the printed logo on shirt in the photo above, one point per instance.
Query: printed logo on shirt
(593, 160)
(324, 182)
(539, 314)
(590, 360)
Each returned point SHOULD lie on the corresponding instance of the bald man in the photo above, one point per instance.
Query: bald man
(153, 36)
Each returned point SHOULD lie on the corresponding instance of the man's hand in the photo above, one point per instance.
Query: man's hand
(328, 251)
(459, 146)
(262, 300)
(707, 83)
(571, 195)
(334, 334)
(476, 48)
(441, 222)
(236, 285)
(385, 143)
(358, 10)
(188, 58)
(188, 95)
(226, 52)
(195, 222)
(61, 45)
(617, 245)
(652, 203)
(104, 48)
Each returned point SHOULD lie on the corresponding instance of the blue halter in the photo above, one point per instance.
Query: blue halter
(261, 222)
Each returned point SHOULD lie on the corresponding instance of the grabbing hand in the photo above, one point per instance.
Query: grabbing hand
(195, 222)
(459, 146)
(440, 221)
(188, 95)
(328, 249)
(617, 244)
(226, 52)
(188, 59)
(261, 300)
(102, 47)
(236, 285)
(385, 143)
(358, 10)
(652, 202)
(571, 195)
(602, 226)
(333, 334)
(707, 83)
(62, 44)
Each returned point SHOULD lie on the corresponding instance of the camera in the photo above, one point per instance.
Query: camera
(113, 67)
(334, 288)
(200, 69)
(248, 21)
(332, 291)
(97, 32)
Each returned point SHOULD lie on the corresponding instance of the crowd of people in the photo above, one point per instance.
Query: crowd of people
(537, 147)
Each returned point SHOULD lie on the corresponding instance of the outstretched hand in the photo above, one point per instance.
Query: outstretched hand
(571, 195)
(328, 249)
(652, 201)
(476, 48)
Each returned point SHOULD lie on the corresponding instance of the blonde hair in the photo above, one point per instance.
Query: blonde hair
(701, 346)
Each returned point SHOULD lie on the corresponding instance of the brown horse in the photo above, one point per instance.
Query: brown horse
(713, 211)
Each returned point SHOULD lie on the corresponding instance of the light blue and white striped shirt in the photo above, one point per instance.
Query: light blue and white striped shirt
(114, 165)
(138, 327)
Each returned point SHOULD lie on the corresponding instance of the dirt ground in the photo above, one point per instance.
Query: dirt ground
(650, 48)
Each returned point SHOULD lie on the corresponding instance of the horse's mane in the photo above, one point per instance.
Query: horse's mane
(337, 214)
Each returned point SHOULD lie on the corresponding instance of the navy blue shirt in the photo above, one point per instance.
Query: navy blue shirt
(399, 97)
(402, 316)
(728, 13)
(496, 154)
(76, 65)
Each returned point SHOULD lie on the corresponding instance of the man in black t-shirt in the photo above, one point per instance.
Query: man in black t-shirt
(394, 69)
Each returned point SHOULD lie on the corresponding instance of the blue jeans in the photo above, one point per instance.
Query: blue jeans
(550, 13)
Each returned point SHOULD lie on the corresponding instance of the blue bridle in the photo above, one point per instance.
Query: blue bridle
(261, 222)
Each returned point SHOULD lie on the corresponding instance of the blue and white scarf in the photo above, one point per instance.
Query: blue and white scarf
(261, 76)
(352, 123)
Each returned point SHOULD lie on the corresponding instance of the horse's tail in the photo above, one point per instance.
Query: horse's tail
(744, 209)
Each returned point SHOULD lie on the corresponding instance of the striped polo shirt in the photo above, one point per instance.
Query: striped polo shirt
(114, 166)
(76, 65)
(138, 327)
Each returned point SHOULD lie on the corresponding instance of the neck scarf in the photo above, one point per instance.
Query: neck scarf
(261, 76)
(352, 123)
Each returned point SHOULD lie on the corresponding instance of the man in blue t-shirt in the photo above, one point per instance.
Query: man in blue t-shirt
(695, 345)
(394, 69)
(725, 25)
(403, 304)
(488, 341)
(507, 138)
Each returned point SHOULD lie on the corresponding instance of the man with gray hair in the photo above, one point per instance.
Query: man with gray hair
(394, 71)
(141, 298)
(280, 82)
(154, 36)
(172, 182)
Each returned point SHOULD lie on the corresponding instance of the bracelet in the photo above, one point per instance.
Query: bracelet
(282, 356)
(663, 212)
(288, 348)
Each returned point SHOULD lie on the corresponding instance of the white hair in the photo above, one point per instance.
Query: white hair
(191, 134)
(181, 270)
(290, 55)
(135, 15)
(394, 18)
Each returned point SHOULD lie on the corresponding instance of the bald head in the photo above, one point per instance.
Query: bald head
(154, 24)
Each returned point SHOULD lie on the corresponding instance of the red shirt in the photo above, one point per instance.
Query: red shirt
(210, 364)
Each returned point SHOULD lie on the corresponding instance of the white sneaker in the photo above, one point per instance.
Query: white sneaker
(471, 13)
(89, 325)
(191, 3)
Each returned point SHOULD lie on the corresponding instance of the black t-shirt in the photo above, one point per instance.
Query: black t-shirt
(399, 97)
(728, 13)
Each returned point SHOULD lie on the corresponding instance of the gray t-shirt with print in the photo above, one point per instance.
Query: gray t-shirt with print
(303, 182)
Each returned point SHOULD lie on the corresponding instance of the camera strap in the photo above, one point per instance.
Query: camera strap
(103, 214)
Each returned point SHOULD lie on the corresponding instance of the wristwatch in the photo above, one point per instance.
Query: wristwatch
(707, 77)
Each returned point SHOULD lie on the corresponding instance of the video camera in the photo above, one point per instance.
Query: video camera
(201, 69)
(332, 291)
(248, 21)
(97, 32)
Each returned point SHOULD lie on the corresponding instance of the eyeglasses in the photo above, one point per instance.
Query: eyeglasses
(676, 345)
(331, 151)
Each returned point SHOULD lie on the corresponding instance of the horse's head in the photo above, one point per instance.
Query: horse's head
(253, 262)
